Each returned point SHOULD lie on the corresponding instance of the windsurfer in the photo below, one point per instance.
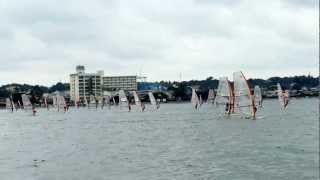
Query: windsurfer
(129, 107)
(143, 107)
(285, 99)
(254, 112)
(34, 111)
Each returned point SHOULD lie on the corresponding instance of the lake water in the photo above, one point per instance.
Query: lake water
(175, 142)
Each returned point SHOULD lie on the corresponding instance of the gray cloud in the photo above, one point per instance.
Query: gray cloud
(42, 41)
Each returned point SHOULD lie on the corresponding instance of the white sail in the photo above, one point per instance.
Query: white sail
(280, 94)
(54, 101)
(61, 102)
(85, 101)
(153, 100)
(195, 99)
(243, 98)
(114, 101)
(223, 92)
(26, 101)
(123, 101)
(211, 96)
(92, 99)
(8, 103)
(200, 100)
(136, 98)
(257, 95)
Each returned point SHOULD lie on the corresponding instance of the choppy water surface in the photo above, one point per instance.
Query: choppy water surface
(175, 142)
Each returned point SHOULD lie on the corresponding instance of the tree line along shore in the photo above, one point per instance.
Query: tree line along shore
(299, 86)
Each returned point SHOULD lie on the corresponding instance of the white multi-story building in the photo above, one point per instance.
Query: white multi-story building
(82, 84)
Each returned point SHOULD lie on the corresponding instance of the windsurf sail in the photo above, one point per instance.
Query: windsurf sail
(257, 96)
(45, 101)
(280, 94)
(153, 100)
(243, 98)
(123, 101)
(9, 104)
(61, 102)
(224, 94)
(114, 101)
(195, 99)
(26, 101)
(54, 101)
(211, 96)
(92, 101)
(136, 98)
(283, 96)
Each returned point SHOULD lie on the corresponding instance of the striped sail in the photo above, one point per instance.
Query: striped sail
(243, 98)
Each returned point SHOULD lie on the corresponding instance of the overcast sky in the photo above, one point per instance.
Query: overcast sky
(41, 41)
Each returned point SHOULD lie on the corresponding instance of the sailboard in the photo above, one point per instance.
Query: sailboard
(243, 98)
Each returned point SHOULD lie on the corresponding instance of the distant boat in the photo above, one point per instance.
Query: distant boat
(243, 98)
(195, 99)
(153, 101)
(257, 96)
(224, 95)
